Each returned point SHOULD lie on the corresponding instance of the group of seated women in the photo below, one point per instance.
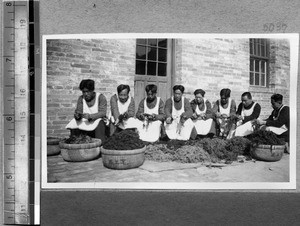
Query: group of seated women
(177, 118)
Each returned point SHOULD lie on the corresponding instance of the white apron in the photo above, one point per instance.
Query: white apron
(130, 122)
(224, 121)
(245, 129)
(175, 130)
(278, 130)
(85, 124)
(150, 132)
(203, 126)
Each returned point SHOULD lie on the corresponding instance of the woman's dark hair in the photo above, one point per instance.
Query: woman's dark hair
(88, 84)
(247, 94)
(225, 92)
(277, 98)
(201, 91)
(180, 87)
(121, 87)
(151, 87)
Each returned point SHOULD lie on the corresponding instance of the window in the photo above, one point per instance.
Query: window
(151, 57)
(259, 61)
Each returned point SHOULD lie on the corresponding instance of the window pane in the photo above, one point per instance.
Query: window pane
(251, 65)
(259, 50)
(256, 79)
(256, 65)
(251, 78)
(151, 68)
(263, 51)
(141, 41)
(162, 69)
(162, 43)
(162, 55)
(140, 67)
(152, 42)
(263, 63)
(262, 80)
(152, 53)
(251, 46)
(140, 52)
(255, 47)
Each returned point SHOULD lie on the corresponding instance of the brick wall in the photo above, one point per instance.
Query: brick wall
(210, 64)
(108, 62)
(213, 64)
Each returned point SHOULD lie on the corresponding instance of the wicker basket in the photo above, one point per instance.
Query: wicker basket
(269, 153)
(53, 146)
(80, 152)
(123, 159)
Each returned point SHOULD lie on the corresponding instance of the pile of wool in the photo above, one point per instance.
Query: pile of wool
(79, 139)
(265, 137)
(159, 153)
(191, 154)
(124, 140)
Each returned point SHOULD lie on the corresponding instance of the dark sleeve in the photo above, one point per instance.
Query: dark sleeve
(215, 108)
(239, 110)
(168, 108)
(255, 114)
(209, 113)
(283, 119)
(102, 108)
(193, 106)
(187, 108)
(232, 108)
(131, 108)
(114, 107)
(79, 107)
(140, 108)
(161, 113)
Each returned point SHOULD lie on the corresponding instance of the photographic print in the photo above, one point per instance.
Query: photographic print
(169, 111)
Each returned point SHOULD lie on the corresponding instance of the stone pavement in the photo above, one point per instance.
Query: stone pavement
(94, 171)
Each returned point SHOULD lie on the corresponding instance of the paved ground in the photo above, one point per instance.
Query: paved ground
(94, 171)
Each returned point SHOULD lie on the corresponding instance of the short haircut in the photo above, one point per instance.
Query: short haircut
(225, 92)
(180, 87)
(248, 94)
(277, 98)
(151, 87)
(201, 91)
(88, 84)
(121, 87)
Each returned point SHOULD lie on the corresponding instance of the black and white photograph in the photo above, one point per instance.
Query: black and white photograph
(169, 111)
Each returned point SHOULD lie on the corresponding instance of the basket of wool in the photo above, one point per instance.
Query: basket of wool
(53, 146)
(266, 146)
(123, 150)
(80, 148)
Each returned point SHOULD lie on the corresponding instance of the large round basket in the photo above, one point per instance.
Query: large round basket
(80, 152)
(269, 153)
(53, 146)
(123, 159)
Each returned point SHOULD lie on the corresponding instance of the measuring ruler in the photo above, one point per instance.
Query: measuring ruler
(19, 145)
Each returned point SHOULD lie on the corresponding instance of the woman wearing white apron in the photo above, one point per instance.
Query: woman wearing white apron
(202, 114)
(123, 109)
(151, 114)
(223, 110)
(91, 108)
(178, 111)
(279, 120)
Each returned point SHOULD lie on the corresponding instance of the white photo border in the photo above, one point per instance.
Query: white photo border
(294, 46)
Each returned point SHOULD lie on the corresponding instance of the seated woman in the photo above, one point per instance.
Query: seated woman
(178, 111)
(279, 120)
(224, 109)
(89, 113)
(248, 110)
(202, 114)
(151, 114)
(122, 110)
